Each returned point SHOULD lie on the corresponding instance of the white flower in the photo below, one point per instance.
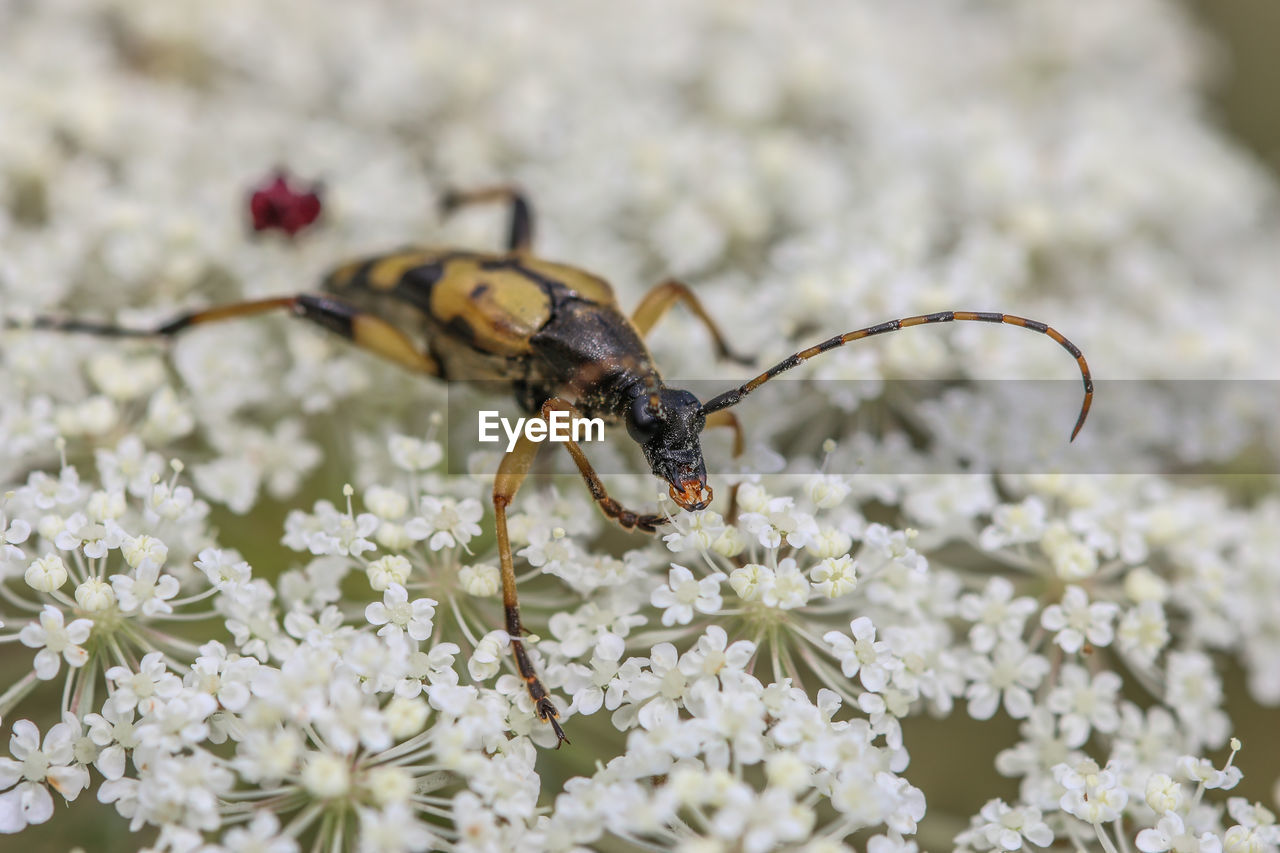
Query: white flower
(785, 588)
(114, 732)
(395, 827)
(261, 835)
(481, 580)
(178, 722)
(695, 531)
(145, 591)
(1194, 691)
(1203, 772)
(1006, 828)
(1143, 632)
(387, 504)
(1163, 794)
(395, 613)
(146, 688)
(713, 655)
(388, 571)
(486, 660)
(682, 594)
(1092, 794)
(224, 569)
(1072, 559)
(34, 769)
(95, 596)
(789, 589)
(46, 573)
(1085, 703)
(224, 675)
(1014, 524)
(827, 491)
(996, 614)
(1076, 620)
(46, 493)
(414, 454)
(445, 522)
(95, 538)
(602, 685)
(143, 549)
(329, 531)
(834, 576)
(554, 551)
(57, 641)
(750, 581)
(863, 655)
(1012, 671)
(13, 532)
(1171, 834)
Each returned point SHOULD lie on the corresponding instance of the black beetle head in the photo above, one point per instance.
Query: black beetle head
(666, 423)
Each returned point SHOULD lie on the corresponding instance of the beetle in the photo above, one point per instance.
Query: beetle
(556, 334)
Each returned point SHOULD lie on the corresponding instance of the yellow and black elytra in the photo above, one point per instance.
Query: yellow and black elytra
(558, 336)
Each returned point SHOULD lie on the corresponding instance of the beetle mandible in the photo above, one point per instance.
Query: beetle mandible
(558, 336)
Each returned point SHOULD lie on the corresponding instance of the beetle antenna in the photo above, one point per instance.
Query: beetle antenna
(734, 396)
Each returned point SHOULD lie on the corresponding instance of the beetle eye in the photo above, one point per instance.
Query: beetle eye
(643, 420)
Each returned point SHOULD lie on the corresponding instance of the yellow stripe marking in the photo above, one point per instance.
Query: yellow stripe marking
(389, 342)
(386, 273)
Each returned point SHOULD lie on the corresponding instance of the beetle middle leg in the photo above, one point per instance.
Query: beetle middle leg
(659, 300)
(520, 230)
(512, 472)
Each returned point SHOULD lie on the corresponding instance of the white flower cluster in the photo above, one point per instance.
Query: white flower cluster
(746, 680)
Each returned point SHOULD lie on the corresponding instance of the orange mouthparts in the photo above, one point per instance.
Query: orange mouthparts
(690, 495)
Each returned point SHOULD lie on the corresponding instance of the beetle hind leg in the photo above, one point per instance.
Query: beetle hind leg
(520, 229)
(363, 329)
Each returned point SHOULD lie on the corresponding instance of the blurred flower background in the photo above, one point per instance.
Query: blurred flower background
(245, 603)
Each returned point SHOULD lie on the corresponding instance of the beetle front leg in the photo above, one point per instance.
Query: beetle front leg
(726, 418)
(511, 473)
(646, 522)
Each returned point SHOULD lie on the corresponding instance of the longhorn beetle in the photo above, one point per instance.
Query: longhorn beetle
(558, 336)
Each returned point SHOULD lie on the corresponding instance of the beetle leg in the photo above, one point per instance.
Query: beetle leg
(511, 473)
(726, 418)
(629, 520)
(520, 231)
(360, 327)
(658, 300)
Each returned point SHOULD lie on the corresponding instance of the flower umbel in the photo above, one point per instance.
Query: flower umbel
(212, 634)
